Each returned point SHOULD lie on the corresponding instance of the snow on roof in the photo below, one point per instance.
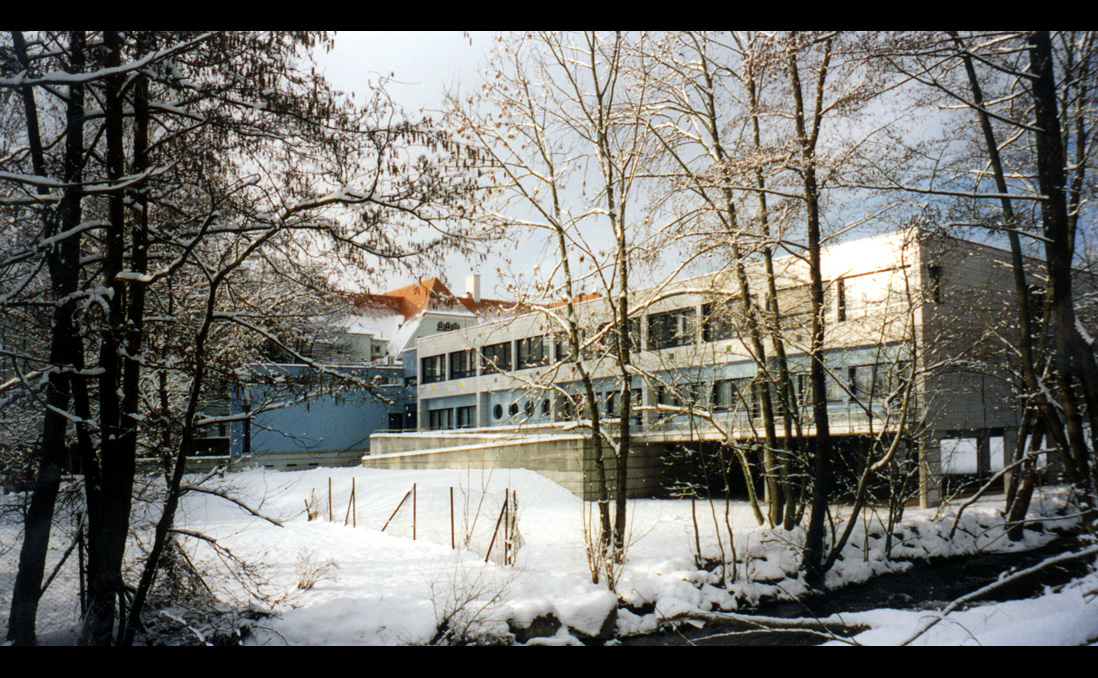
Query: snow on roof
(403, 336)
(396, 316)
(382, 327)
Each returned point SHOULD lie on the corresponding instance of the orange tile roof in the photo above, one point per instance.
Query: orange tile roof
(430, 293)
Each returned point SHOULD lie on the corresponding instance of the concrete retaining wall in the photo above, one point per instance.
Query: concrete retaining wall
(567, 459)
(301, 460)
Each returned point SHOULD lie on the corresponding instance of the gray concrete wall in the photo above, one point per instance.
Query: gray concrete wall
(301, 460)
(567, 459)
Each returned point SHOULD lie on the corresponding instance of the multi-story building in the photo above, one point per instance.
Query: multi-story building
(935, 312)
(301, 415)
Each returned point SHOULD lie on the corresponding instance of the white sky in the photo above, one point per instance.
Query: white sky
(422, 66)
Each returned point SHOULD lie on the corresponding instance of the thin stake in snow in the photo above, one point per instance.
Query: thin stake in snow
(351, 511)
(512, 533)
(406, 495)
(330, 518)
(502, 512)
(506, 524)
(697, 536)
(453, 543)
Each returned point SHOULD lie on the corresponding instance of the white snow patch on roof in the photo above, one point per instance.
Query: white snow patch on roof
(380, 326)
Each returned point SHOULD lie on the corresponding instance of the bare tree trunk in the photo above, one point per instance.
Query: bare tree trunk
(821, 460)
(1018, 504)
(109, 519)
(64, 265)
(1073, 358)
(1021, 287)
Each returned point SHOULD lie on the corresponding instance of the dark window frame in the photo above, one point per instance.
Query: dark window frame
(432, 369)
(496, 358)
(466, 416)
(672, 329)
(530, 352)
(462, 364)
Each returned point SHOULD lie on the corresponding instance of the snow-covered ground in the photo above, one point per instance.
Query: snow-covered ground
(334, 584)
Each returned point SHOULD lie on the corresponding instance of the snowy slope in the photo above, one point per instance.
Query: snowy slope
(382, 588)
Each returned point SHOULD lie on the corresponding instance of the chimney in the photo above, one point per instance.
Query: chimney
(472, 287)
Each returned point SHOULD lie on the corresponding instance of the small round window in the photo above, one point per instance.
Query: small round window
(513, 409)
(497, 411)
(529, 408)
(545, 407)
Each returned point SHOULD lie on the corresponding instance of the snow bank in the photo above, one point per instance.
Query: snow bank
(331, 583)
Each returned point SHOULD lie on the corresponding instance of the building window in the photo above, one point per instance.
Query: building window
(431, 369)
(564, 345)
(462, 365)
(724, 395)
(531, 352)
(802, 390)
(692, 394)
(497, 357)
(840, 300)
(673, 328)
(667, 396)
(836, 393)
(467, 416)
(513, 409)
(876, 383)
(497, 412)
(439, 420)
(567, 407)
(396, 421)
(748, 392)
(688, 395)
(722, 321)
(608, 342)
(934, 279)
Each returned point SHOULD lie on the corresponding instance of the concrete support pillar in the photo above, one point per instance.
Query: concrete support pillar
(482, 410)
(930, 470)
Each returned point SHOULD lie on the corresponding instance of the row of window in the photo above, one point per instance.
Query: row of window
(444, 418)
(870, 383)
(494, 358)
(854, 298)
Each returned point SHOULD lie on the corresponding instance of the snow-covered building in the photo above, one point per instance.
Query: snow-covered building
(900, 308)
(304, 416)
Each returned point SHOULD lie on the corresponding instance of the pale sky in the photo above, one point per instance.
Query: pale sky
(422, 66)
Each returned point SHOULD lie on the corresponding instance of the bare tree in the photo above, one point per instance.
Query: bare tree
(1029, 96)
(212, 150)
(560, 115)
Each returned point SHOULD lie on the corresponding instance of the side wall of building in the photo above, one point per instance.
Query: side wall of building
(319, 421)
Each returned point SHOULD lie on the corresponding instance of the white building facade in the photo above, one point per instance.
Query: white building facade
(900, 309)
